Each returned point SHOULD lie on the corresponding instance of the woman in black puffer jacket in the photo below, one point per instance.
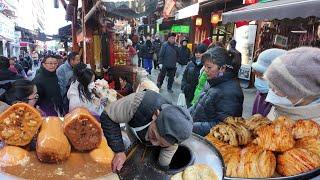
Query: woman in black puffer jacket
(223, 98)
(191, 74)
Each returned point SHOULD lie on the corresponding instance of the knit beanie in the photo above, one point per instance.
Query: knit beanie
(170, 34)
(201, 48)
(296, 73)
(265, 59)
(174, 123)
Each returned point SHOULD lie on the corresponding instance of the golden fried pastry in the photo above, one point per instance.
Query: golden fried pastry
(297, 161)
(52, 145)
(243, 134)
(232, 164)
(199, 172)
(256, 121)
(235, 120)
(103, 154)
(13, 156)
(310, 143)
(305, 128)
(225, 133)
(226, 150)
(177, 176)
(19, 123)
(256, 162)
(274, 137)
(232, 131)
(284, 122)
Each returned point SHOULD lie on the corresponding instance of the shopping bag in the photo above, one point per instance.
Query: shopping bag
(155, 57)
(29, 73)
(182, 100)
(135, 60)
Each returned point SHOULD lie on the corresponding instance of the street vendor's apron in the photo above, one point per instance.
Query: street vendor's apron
(138, 126)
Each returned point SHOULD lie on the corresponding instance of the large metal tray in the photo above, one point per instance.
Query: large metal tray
(312, 175)
(141, 163)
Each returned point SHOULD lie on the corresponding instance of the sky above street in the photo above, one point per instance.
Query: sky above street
(55, 18)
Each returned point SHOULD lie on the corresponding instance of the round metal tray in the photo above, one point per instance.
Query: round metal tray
(314, 175)
(142, 164)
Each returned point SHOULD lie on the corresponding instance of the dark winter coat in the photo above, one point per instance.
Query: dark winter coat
(147, 51)
(190, 80)
(25, 64)
(6, 74)
(224, 98)
(184, 55)
(157, 45)
(168, 55)
(234, 61)
(50, 100)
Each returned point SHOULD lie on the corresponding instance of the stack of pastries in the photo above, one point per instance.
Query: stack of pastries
(266, 147)
(233, 131)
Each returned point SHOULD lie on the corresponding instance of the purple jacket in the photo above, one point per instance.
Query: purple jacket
(260, 106)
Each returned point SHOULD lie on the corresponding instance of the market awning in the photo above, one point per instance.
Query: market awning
(274, 10)
(188, 11)
(129, 8)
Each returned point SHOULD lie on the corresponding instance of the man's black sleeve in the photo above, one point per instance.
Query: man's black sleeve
(112, 132)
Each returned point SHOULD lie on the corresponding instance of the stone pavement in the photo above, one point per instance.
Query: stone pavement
(249, 94)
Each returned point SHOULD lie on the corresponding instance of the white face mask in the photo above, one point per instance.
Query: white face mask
(273, 98)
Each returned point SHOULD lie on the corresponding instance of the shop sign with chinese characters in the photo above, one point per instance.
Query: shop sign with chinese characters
(6, 27)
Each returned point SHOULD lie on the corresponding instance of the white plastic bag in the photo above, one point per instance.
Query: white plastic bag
(29, 73)
(135, 60)
(182, 100)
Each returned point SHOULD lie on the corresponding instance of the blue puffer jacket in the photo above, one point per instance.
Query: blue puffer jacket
(224, 98)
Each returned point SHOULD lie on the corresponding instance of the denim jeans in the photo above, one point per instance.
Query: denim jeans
(147, 64)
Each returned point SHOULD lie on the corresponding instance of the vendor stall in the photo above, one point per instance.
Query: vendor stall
(263, 25)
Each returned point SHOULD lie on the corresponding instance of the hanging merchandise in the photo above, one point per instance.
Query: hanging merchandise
(120, 53)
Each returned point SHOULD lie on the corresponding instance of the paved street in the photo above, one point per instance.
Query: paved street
(249, 94)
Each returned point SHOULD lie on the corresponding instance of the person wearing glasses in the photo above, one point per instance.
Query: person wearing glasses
(50, 99)
(21, 90)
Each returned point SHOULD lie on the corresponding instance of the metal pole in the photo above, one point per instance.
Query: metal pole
(84, 4)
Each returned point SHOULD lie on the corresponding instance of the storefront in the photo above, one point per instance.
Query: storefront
(6, 35)
(273, 24)
(208, 23)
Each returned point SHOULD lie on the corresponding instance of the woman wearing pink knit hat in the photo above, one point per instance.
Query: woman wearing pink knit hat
(296, 76)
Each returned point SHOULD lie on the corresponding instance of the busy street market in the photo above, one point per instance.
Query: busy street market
(160, 89)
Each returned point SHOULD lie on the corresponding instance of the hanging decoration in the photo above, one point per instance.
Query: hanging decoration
(215, 18)
(198, 21)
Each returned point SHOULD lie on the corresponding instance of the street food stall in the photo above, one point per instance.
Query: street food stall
(73, 146)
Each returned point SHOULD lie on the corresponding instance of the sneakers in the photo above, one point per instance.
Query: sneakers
(158, 85)
(170, 90)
